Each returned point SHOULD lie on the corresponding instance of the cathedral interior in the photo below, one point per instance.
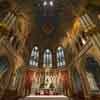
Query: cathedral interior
(49, 49)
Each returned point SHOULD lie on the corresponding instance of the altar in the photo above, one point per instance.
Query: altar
(45, 82)
(51, 97)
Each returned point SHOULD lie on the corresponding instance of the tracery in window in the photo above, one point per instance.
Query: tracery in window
(47, 58)
(34, 59)
(60, 57)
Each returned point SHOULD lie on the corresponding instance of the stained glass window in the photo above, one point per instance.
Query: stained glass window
(60, 57)
(47, 58)
(34, 57)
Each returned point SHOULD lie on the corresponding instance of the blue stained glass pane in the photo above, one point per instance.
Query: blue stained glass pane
(34, 56)
(60, 57)
(47, 58)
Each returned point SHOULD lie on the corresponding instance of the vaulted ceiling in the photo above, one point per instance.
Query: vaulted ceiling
(46, 26)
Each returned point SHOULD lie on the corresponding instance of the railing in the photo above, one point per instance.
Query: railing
(43, 91)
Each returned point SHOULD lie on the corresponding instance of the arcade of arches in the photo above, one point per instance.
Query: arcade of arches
(49, 48)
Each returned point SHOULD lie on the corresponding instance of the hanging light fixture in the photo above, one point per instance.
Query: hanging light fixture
(51, 3)
(45, 3)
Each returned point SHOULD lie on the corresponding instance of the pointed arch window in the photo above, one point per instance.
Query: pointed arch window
(47, 58)
(34, 59)
(60, 57)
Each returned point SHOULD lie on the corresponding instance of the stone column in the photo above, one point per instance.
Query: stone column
(20, 88)
(98, 36)
(12, 79)
(70, 88)
(5, 83)
(84, 81)
(73, 81)
(96, 40)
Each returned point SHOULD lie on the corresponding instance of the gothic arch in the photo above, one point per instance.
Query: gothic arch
(47, 58)
(92, 71)
(34, 57)
(6, 77)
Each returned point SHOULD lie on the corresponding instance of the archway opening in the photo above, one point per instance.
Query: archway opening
(93, 72)
(4, 65)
